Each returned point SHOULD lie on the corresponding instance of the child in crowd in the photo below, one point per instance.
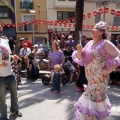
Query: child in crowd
(70, 68)
(55, 78)
(33, 67)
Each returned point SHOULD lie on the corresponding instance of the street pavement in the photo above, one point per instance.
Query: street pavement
(36, 102)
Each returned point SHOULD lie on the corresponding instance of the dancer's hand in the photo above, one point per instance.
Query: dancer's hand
(106, 71)
(79, 47)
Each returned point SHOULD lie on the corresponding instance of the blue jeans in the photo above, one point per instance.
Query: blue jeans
(11, 82)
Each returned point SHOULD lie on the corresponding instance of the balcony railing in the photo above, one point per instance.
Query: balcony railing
(26, 5)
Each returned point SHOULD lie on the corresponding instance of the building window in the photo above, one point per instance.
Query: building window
(64, 15)
(116, 20)
(26, 4)
(118, 5)
(98, 18)
(4, 12)
(29, 26)
(98, 4)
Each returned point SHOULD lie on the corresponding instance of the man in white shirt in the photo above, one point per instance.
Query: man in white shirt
(24, 52)
(6, 77)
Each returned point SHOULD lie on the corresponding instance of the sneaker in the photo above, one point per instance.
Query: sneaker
(17, 114)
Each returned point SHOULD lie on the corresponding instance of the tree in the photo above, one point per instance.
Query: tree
(79, 19)
(7, 4)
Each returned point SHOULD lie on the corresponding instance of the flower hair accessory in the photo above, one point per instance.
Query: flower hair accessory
(101, 25)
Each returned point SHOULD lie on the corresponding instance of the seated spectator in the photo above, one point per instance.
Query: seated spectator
(36, 51)
(33, 67)
(71, 68)
(24, 52)
(68, 52)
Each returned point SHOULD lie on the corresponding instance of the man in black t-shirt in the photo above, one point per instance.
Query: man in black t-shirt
(68, 52)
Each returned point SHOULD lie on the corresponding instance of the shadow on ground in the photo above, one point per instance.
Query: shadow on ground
(36, 92)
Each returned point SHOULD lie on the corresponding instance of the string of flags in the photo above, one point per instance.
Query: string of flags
(70, 22)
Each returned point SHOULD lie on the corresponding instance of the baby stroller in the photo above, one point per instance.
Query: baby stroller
(46, 79)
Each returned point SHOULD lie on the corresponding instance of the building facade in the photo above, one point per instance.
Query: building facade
(29, 14)
(7, 18)
(65, 9)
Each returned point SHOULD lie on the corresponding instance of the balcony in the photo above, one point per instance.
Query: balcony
(26, 5)
(64, 4)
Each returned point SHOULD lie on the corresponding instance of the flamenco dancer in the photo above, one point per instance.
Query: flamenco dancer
(100, 57)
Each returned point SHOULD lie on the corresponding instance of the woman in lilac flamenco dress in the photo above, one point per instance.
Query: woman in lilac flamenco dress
(100, 57)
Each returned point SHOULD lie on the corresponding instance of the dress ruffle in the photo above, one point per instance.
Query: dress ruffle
(76, 60)
(113, 61)
(87, 107)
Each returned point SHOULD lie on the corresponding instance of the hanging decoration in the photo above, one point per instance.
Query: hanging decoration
(101, 11)
(8, 25)
(70, 22)
(118, 13)
(18, 24)
(95, 13)
(106, 10)
(112, 12)
(83, 17)
(89, 15)
(3, 25)
(14, 25)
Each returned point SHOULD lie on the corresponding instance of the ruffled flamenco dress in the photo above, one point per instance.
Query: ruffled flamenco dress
(94, 103)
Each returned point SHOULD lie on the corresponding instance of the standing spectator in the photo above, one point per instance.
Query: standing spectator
(45, 46)
(68, 52)
(17, 48)
(71, 42)
(29, 43)
(55, 56)
(24, 52)
(6, 77)
(52, 40)
(55, 78)
(33, 67)
(118, 39)
(115, 42)
(62, 42)
(83, 42)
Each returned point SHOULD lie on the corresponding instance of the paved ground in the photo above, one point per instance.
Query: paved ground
(37, 103)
